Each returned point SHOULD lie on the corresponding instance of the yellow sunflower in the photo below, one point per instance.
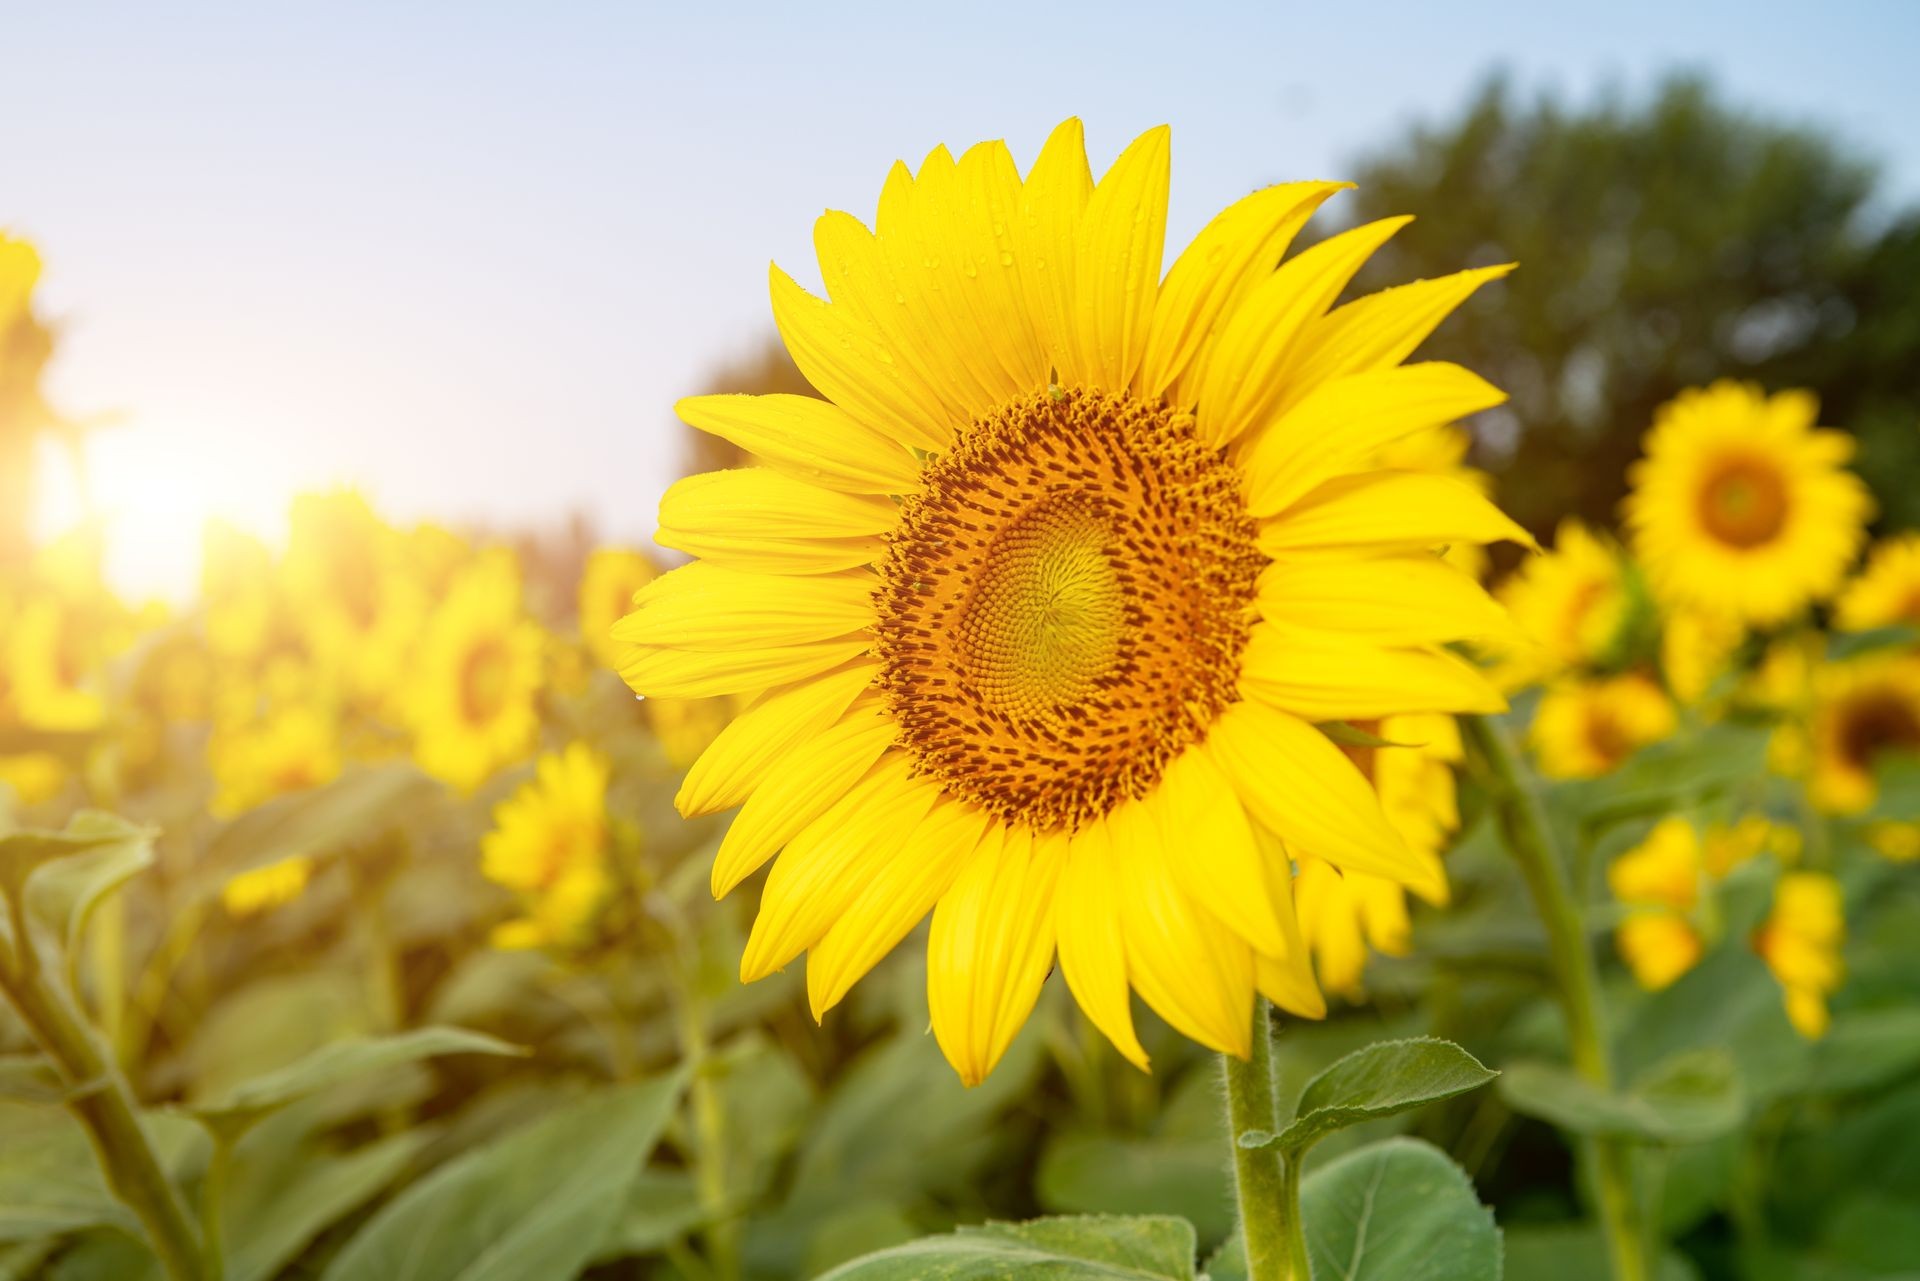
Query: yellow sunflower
(1864, 712)
(472, 694)
(289, 747)
(1442, 451)
(1571, 605)
(1343, 914)
(549, 845)
(1043, 601)
(347, 576)
(1659, 882)
(1887, 590)
(607, 585)
(1801, 942)
(265, 888)
(1742, 507)
(1585, 728)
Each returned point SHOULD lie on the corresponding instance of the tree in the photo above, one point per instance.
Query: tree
(1662, 244)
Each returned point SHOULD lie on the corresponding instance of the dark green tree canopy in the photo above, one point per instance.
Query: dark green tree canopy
(1662, 244)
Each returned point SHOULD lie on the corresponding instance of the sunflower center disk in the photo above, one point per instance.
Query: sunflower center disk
(1744, 504)
(1063, 605)
(1875, 725)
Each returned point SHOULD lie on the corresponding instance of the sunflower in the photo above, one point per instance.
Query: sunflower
(1659, 882)
(607, 585)
(265, 888)
(1041, 603)
(289, 747)
(1442, 451)
(1571, 606)
(1800, 943)
(1886, 592)
(1343, 914)
(1742, 507)
(472, 703)
(1697, 647)
(347, 576)
(1586, 728)
(549, 846)
(1864, 712)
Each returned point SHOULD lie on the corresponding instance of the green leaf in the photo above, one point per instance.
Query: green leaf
(281, 1195)
(356, 807)
(1094, 1248)
(1669, 774)
(50, 1181)
(1690, 1098)
(662, 1206)
(1398, 1210)
(533, 1206)
(1573, 1252)
(1379, 1080)
(30, 1078)
(24, 852)
(63, 894)
(1865, 1049)
(239, 1107)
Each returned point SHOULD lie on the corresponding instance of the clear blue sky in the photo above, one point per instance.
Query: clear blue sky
(466, 256)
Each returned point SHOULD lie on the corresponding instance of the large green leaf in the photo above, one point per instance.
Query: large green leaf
(356, 807)
(1691, 1098)
(1669, 774)
(1380, 1080)
(533, 1206)
(1094, 1248)
(1398, 1210)
(27, 853)
(1573, 1252)
(50, 1182)
(62, 894)
(282, 1195)
(240, 1106)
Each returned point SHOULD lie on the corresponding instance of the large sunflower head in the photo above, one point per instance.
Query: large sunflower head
(1741, 506)
(1865, 712)
(1042, 601)
(472, 703)
(1886, 593)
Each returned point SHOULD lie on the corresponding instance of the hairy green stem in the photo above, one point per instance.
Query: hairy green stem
(100, 1098)
(1530, 838)
(1266, 1183)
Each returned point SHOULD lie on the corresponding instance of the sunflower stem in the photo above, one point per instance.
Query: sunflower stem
(1530, 839)
(1266, 1183)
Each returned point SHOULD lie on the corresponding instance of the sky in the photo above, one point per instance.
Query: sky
(466, 256)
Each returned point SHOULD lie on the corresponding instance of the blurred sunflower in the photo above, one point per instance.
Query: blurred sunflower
(1571, 606)
(1697, 648)
(607, 586)
(1659, 882)
(1865, 711)
(1800, 943)
(549, 846)
(288, 747)
(1742, 507)
(239, 593)
(346, 575)
(471, 697)
(265, 888)
(1343, 914)
(1044, 599)
(1887, 590)
(1585, 728)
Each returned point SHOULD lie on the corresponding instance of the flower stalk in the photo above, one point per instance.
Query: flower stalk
(1266, 1181)
(100, 1098)
(1530, 838)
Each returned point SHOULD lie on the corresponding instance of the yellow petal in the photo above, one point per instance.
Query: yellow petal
(654, 672)
(806, 437)
(761, 521)
(1093, 954)
(1302, 788)
(991, 947)
(1195, 973)
(897, 897)
(1242, 385)
(1286, 978)
(1221, 867)
(1389, 511)
(799, 789)
(849, 363)
(1230, 256)
(770, 731)
(1342, 423)
(1415, 599)
(1122, 244)
(709, 607)
(1318, 678)
(1053, 200)
(863, 274)
(817, 876)
(987, 237)
(1381, 329)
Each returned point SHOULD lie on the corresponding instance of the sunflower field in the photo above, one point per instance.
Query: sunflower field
(431, 903)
